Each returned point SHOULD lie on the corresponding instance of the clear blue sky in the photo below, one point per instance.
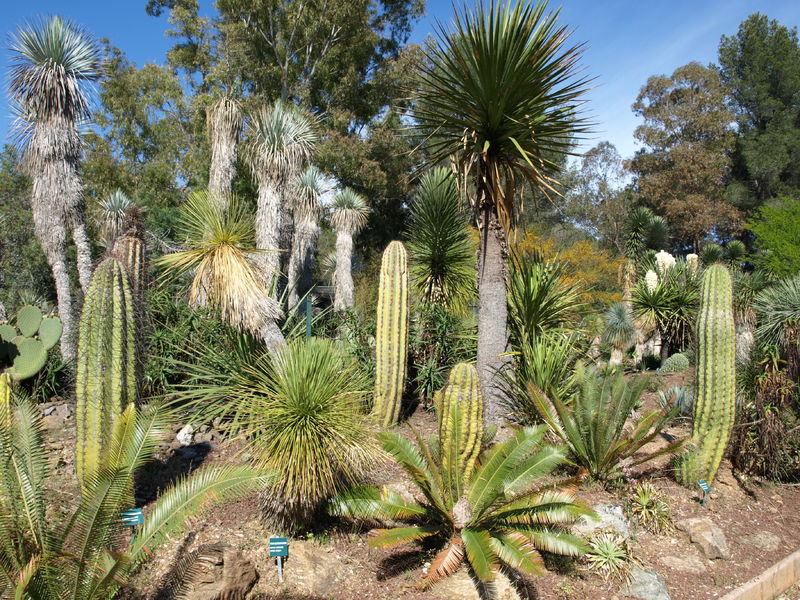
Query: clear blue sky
(627, 41)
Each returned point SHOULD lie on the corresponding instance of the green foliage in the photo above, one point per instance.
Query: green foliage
(391, 337)
(677, 397)
(594, 426)
(675, 363)
(442, 253)
(24, 348)
(776, 226)
(644, 231)
(650, 508)
(505, 514)
(107, 360)
(711, 253)
(715, 381)
(619, 331)
(777, 309)
(611, 555)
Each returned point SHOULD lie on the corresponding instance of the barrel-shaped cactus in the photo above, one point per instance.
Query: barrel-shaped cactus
(391, 337)
(106, 370)
(715, 382)
(459, 412)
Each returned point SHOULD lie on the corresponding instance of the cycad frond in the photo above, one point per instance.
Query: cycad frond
(349, 211)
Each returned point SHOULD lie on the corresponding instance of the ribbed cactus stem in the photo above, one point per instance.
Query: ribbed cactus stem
(459, 411)
(129, 250)
(715, 403)
(106, 370)
(5, 399)
(391, 343)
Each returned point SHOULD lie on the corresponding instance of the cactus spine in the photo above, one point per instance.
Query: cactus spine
(106, 371)
(391, 343)
(459, 411)
(715, 403)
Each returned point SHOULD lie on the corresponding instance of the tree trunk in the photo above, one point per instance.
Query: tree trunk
(224, 124)
(664, 348)
(268, 227)
(492, 313)
(84, 250)
(616, 357)
(343, 276)
(301, 263)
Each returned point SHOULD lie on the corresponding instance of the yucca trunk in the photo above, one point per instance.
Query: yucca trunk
(268, 228)
(224, 121)
(492, 313)
(301, 262)
(616, 357)
(343, 275)
(83, 246)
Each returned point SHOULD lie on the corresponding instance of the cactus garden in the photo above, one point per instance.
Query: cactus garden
(314, 301)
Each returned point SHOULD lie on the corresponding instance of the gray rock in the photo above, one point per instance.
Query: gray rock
(185, 436)
(765, 540)
(646, 585)
(707, 536)
(53, 422)
(685, 563)
(609, 516)
(222, 574)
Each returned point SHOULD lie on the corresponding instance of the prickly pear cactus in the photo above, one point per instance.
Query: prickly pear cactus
(106, 363)
(391, 343)
(23, 349)
(459, 412)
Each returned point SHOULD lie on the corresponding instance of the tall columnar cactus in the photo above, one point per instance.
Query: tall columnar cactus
(5, 398)
(715, 402)
(391, 343)
(106, 371)
(129, 250)
(459, 411)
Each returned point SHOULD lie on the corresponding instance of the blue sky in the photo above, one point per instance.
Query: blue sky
(626, 41)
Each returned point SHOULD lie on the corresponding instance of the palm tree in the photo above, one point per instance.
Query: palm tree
(442, 263)
(51, 62)
(349, 216)
(280, 141)
(620, 331)
(224, 122)
(304, 203)
(499, 517)
(498, 96)
(219, 250)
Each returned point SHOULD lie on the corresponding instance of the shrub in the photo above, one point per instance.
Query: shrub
(675, 364)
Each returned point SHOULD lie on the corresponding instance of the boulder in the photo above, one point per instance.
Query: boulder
(685, 563)
(185, 436)
(708, 537)
(764, 540)
(223, 574)
(645, 585)
(312, 569)
(609, 516)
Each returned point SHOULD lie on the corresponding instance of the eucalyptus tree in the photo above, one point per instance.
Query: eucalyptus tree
(349, 216)
(499, 95)
(305, 206)
(224, 122)
(280, 141)
(51, 63)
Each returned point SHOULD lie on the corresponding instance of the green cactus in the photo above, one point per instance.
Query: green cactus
(715, 381)
(5, 398)
(23, 349)
(391, 343)
(129, 250)
(106, 371)
(459, 412)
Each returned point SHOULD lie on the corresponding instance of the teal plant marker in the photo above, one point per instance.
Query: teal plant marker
(279, 548)
(132, 517)
(706, 490)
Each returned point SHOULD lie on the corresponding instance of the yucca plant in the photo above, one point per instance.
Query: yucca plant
(113, 210)
(84, 557)
(619, 331)
(594, 426)
(349, 212)
(442, 254)
(223, 125)
(501, 516)
(777, 309)
(220, 254)
(305, 206)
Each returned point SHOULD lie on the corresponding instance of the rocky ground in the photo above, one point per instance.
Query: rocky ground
(746, 527)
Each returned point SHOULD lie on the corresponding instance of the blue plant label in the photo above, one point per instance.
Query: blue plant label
(704, 486)
(278, 546)
(133, 517)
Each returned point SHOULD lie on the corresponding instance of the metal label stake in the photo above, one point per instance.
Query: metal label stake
(279, 548)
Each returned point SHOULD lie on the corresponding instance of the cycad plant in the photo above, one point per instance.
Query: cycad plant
(348, 217)
(51, 62)
(442, 254)
(84, 557)
(594, 426)
(496, 516)
(220, 253)
(499, 95)
(305, 206)
(280, 140)
(619, 331)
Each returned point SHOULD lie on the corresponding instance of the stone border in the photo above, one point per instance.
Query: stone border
(775, 580)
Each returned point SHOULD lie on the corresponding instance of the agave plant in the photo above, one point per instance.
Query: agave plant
(84, 556)
(442, 263)
(51, 62)
(113, 209)
(499, 516)
(348, 217)
(620, 331)
(594, 427)
(220, 253)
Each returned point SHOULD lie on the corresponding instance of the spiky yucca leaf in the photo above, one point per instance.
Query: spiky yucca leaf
(349, 211)
(620, 331)
(113, 211)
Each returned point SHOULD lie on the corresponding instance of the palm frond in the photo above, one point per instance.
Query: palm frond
(387, 538)
(480, 554)
(369, 502)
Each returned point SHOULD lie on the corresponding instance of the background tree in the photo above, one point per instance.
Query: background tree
(761, 66)
(776, 227)
(682, 171)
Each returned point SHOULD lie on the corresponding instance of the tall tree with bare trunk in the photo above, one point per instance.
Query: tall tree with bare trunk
(349, 216)
(279, 144)
(51, 63)
(498, 95)
(224, 122)
(304, 204)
